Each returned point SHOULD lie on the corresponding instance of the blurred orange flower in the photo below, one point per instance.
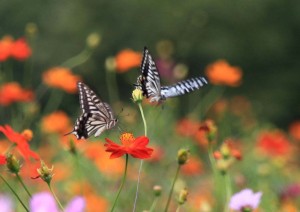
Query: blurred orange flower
(294, 130)
(20, 141)
(274, 143)
(194, 166)
(56, 122)
(20, 49)
(221, 73)
(6, 44)
(62, 78)
(12, 92)
(127, 59)
(96, 203)
(187, 127)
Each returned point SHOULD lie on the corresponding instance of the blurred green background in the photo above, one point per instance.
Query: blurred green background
(262, 37)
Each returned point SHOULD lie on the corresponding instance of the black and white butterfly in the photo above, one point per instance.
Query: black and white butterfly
(149, 82)
(96, 117)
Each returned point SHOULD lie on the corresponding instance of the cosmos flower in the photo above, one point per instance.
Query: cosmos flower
(2, 160)
(6, 203)
(136, 147)
(45, 202)
(12, 92)
(245, 200)
(18, 49)
(127, 59)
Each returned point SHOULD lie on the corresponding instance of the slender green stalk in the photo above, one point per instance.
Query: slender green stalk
(13, 191)
(122, 184)
(112, 86)
(178, 208)
(78, 59)
(79, 173)
(142, 161)
(24, 186)
(54, 100)
(153, 204)
(172, 188)
(227, 190)
(55, 197)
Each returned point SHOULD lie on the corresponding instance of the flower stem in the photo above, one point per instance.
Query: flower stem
(172, 188)
(122, 184)
(24, 186)
(78, 59)
(153, 204)
(178, 208)
(141, 163)
(14, 193)
(112, 86)
(55, 197)
(227, 190)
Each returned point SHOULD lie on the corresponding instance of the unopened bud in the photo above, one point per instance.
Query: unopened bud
(45, 173)
(183, 156)
(31, 29)
(72, 147)
(12, 164)
(157, 190)
(110, 64)
(28, 134)
(93, 40)
(183, 196)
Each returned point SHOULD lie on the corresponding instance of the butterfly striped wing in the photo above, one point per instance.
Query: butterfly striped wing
(183, 87)
(149, 80)
(97, 116)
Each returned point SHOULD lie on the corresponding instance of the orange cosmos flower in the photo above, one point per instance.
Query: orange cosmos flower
(194, 166)
(56, 122)
(187, 127)
(136, 147)
(294, 130)
(127, 59)
(96, 203)
(20, 141)
(221, 73)
(20, 49)
(62, 78)
(274, 143)
(12, 92)
(5, 47)
(2, 160)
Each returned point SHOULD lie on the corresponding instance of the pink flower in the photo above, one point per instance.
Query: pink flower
(245, 200)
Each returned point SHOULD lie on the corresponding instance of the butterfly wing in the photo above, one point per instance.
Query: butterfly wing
(183, 87)
(97, 116)
(149, 80)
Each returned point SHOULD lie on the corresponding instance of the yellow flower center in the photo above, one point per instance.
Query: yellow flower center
(127, 139)
(28, 134)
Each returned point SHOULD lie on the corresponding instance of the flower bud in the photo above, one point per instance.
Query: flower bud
(183, 156)
(12, 164)
(137, 95)
(72, 147)
(157, 190)
(183, 196)
(93, 40)
(45, 173)
(110, 64)
(31, 29)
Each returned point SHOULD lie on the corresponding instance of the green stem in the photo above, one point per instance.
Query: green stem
(178, 208)
(153, 204)
(54, 100)
(122, 184)
(78, 168)
(141, 163)
(143, 117)
(112, 86)
(227, 190)
(55, 197)
(24, 186)
(12, 190)
(172, 188)
(78, 59)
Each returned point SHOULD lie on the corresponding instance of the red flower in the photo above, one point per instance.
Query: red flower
(20, 49)
(13, 92)
(136, 147)
(2, 160)
(21, 141)
(6, 44)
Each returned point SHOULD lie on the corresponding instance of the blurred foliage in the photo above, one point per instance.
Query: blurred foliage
(262, 37)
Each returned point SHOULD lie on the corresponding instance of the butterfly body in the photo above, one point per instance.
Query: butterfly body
(96, 117)
(149, 82)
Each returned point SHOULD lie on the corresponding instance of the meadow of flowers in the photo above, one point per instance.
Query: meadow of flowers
(198, 152)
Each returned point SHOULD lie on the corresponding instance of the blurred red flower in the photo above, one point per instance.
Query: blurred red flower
(18, 49)
(221, 73)
(193, 166)
(62, 78)
(12, 92)
(187, 127)
(56, 122)
(127, 59)
(21, 142)
(2, 160)
(136, 147)
(274, 143)
(6, 44)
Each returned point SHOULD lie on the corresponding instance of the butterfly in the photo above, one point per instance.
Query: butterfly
(96, 117)
(149, 82)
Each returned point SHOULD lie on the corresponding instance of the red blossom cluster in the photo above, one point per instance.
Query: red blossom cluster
(17, 49)
(13, 92)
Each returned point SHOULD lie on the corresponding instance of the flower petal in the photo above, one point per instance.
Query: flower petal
(43, 202)
(77, 204)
